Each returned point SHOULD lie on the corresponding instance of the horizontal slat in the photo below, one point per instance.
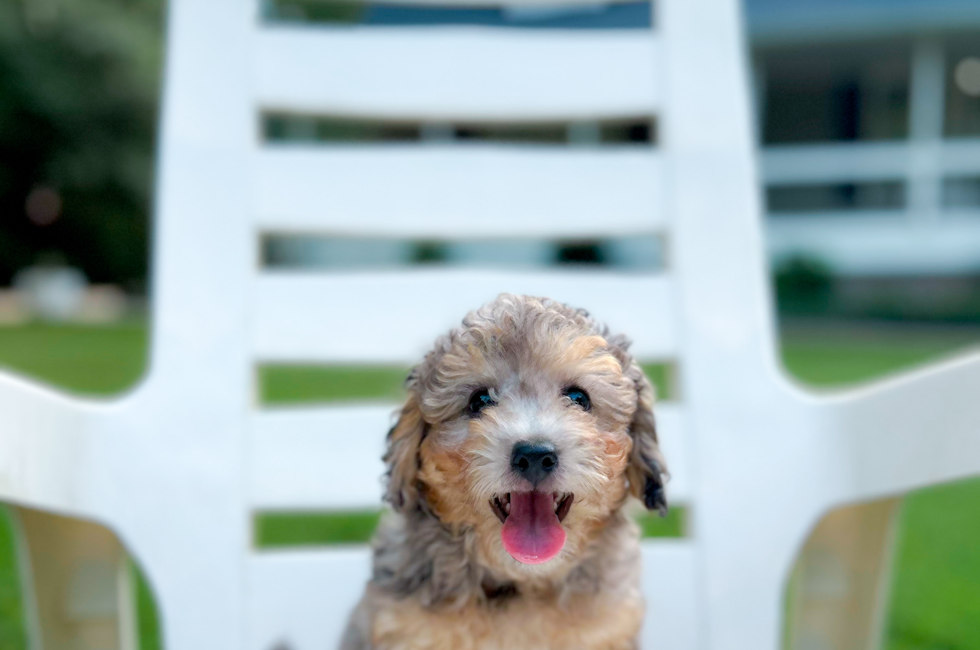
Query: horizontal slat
(395, 317)
(324, 458)
(304, 599)
(670, 586)
(675, 443)
(445, 191)
(459, 73)
(330, 458)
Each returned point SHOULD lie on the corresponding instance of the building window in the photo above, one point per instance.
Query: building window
(835, 92)
(963, 87)
(836, 197)
(961, 192)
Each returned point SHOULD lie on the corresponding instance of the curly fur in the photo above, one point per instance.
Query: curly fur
(441, 577)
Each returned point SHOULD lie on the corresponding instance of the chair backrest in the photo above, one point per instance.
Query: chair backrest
(686, 73)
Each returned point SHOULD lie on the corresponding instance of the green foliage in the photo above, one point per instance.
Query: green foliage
(804, 285)
(79, 82)
(429, 252)
(327, 11)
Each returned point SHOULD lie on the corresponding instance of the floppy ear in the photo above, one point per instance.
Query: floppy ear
(402, 455)
(647, 470)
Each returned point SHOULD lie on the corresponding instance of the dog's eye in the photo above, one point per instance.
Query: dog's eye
(479, 401)
(578, 396)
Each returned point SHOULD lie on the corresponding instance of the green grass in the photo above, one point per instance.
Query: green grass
(280, 529)
(935, 600)
(91, 360)
(279, 384)
(274, 530)
(147, 615)
(833, 361)
(935, 595)
(12, 636)
(296, 384)
(673, 525)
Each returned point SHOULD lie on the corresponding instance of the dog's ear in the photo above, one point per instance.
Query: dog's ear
(647, 470)
(402, 454)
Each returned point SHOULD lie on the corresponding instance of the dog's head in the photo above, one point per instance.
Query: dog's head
(529, 426)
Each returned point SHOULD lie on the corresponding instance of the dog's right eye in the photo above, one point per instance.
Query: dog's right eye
(479, 401)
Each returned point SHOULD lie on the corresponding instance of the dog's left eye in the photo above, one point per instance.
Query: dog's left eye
(578, 396)
(479, 401)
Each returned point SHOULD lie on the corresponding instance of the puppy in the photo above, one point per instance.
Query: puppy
(524, 433)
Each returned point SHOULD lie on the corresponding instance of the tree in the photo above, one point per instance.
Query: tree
(79, 88)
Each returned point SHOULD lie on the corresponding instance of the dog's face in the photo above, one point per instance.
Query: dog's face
(528, 426)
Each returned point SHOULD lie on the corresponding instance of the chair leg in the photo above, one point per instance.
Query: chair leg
(840, 586)
(79, 580)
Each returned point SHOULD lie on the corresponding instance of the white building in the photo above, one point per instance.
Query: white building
(869, 116)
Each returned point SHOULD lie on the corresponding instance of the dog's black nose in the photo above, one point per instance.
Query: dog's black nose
(534, 461)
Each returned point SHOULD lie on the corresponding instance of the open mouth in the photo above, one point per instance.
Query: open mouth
(532, 531)
(500, 504)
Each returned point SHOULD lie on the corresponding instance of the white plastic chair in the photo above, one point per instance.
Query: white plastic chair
(177, 467)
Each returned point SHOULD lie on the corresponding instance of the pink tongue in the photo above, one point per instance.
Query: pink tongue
(532, 533)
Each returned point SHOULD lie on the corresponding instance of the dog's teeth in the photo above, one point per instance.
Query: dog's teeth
(507, 507)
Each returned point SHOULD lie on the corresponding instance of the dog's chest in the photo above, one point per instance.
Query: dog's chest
(593, 625)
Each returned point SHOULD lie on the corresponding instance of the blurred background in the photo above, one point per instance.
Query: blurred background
(868, 127)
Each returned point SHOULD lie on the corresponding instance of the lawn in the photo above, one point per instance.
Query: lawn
(935, 600)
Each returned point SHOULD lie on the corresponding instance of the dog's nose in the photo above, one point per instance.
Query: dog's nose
(534, 461)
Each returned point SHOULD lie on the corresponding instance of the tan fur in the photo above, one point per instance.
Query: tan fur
(442, 578)
(587, 623)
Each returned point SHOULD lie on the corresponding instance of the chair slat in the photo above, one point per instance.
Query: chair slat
(319, 458)
(670, 587)
(443, 191)
(469, 73)
(393, 317)
(303, 599)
